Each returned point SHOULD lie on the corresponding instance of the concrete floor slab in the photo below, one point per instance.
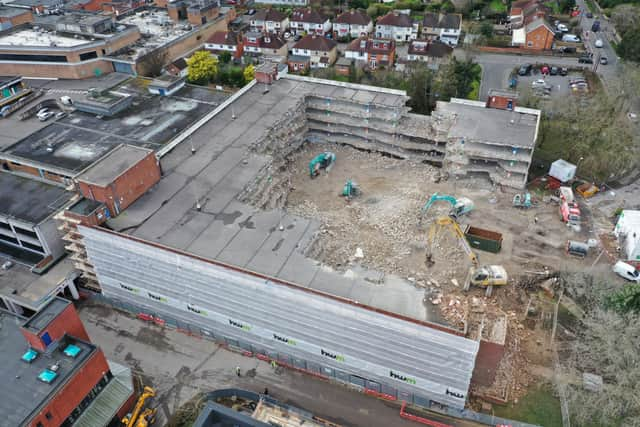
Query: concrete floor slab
(279, 245)
(332, 282)
(187, 229)
(299, 269)
(213, 240)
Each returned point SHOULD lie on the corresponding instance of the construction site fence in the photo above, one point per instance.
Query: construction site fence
(195, 331)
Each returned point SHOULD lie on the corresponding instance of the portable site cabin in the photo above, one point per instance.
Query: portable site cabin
(627, 230)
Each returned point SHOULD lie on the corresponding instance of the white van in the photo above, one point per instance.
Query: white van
(570, 38)
(626, 271)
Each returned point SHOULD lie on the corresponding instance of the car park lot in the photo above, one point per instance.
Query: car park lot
(556, 86)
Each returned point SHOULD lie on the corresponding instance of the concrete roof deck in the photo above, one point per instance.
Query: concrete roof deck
(226, 230)
(29, 289)
(114, 164)
(39, 321)
(75, 142)
(22, 392)
(28, 200)
(500, 127)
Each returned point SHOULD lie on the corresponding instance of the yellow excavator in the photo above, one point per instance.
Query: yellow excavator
(140, 417)
(486, 276)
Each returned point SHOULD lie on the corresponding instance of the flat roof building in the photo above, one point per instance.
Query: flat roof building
(194, 255)
(52, 374)
(28, 230)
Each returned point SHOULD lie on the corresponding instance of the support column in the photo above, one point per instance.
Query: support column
(73, 289)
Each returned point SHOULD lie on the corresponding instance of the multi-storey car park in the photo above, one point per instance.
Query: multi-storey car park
(192, 255)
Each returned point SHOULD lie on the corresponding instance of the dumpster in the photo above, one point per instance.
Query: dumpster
(485, 240)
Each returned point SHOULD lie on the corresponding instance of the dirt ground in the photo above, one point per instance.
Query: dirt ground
(383, 229)
(386, 224)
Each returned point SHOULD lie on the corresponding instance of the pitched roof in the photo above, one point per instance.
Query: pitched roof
(353, 17)
(434, 48)
(364, 44)
(224, 37)
(540, 22)
(395, 19)
(313, 42)
(269, 15)
(439, 20)
(272, 41)
(308, 15)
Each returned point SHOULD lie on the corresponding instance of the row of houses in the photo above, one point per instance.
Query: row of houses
(396, 25)
(314, 51)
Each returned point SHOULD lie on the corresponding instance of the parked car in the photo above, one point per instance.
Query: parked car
(42, 112)
(564, 71)
(595, 27)
(525, 70)
(60, 114)
(626, 271)
(570, 38)
(598, 43)
(540, 84)
(44, 117)
(567, 49)
(562, 27)
(604, 60)
(585, 60)
(554, 71)
(250, 12)
(589, 15)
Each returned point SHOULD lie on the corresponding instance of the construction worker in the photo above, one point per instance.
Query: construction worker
(274, 364)
(238, 370)
(266, 391)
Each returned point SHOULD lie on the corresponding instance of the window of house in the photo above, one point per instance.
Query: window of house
(529, 44)
(48, 415)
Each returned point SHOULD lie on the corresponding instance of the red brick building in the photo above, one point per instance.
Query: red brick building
(52, 375)
(120, 177)
(374, 52)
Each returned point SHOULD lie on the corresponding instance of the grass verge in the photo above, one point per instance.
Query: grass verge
(540, 406)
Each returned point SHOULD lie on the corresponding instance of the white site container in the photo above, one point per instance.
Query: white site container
(562, 170)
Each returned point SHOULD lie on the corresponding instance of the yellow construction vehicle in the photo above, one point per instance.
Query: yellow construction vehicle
(434, 231)
(483, 276)
(139, 417)
(486, 276)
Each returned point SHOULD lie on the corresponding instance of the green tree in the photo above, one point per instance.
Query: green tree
(626, 299)
(421, 89)
(629, 47)
(202, 68)
(236, 77)
(249, 73)
(486, 29)
(359, 4)
(224, 57)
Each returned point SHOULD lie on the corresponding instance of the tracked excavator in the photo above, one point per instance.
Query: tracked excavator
(459, 206)
(324, 161)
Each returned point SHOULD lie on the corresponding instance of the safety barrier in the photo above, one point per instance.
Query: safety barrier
(418, 419)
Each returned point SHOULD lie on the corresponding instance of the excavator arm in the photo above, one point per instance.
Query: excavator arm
(448, 222)
(131, 419)
(437, 198)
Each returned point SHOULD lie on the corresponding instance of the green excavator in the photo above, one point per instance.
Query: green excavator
(350, 190)
(459, 206)
(324, 161)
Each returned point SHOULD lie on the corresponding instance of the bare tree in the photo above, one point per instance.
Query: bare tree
(153, 63)
(609, 346)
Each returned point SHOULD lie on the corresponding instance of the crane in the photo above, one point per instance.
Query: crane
(140, 418)
(459, 206)
(448, 222)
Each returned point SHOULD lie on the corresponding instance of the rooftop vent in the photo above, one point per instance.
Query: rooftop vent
(29, 356)
(72, 350)
(47, 376)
